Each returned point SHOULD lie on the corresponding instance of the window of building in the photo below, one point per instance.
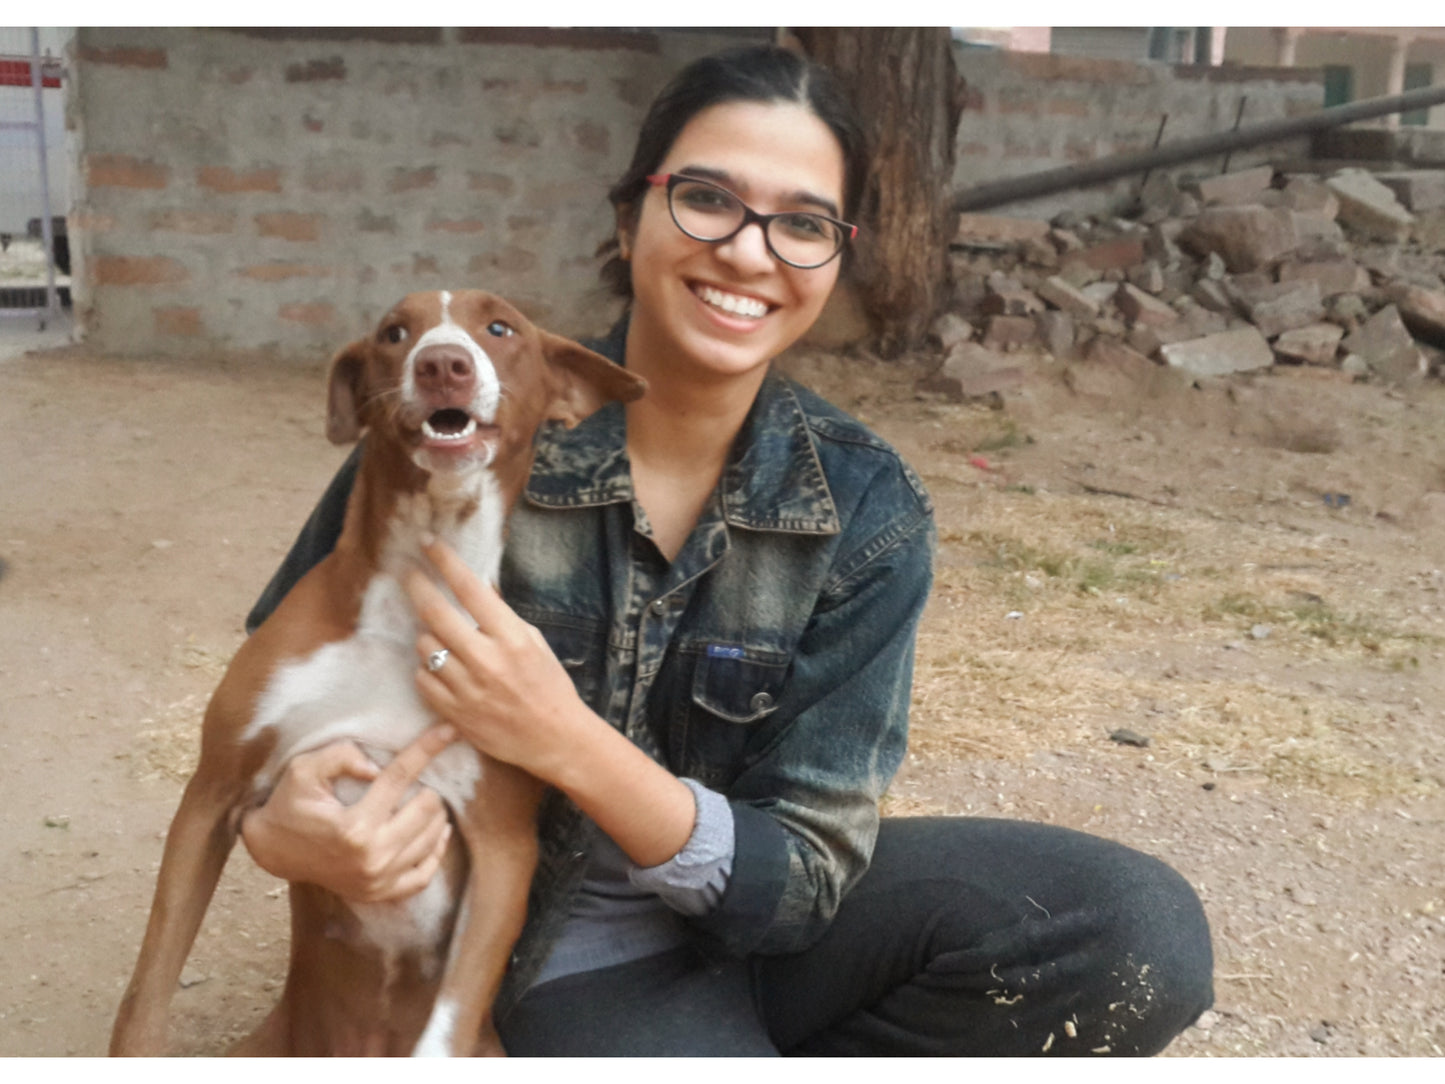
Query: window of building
(1339, 84)
(1417, 76)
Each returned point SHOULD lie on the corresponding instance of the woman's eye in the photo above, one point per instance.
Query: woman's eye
(499, 329)
(394, 334)
(806, 227)
(701, 198)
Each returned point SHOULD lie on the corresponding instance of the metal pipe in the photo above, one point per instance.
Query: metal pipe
(47, 224)
(996, 193)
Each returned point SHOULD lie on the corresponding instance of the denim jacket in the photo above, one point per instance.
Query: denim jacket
(771, 660)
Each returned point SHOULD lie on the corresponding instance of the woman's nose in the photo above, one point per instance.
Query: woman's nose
(747, 250)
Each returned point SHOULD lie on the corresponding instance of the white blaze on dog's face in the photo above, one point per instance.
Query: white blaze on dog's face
(463, 379)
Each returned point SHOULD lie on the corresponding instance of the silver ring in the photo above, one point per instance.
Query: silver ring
(437, 659)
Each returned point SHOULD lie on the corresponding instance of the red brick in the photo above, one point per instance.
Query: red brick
(1068, 107)
(564, 86)
(185, 322)
(193, 221)
(548, 197)
(974, 150)
(314, 313)
(408, 180)
(138, 271)
(511, 260)
(290, 226)
(317, 71)
(1013, 101)
(592, 136)
(499, 183)
(124, 56)
(1112, 255)
(457, 225)
(425, 265)
(90, 222)
(124, 171)
(225, 179)
(278, 272)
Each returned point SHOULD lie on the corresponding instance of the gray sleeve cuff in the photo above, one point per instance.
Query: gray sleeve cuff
(692, 881)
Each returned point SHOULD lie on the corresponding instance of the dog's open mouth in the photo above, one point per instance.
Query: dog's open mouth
(449, 426)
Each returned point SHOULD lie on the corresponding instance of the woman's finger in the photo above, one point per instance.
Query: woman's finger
(434, 610)
(330, 762)
(478, 597)
(393, 781)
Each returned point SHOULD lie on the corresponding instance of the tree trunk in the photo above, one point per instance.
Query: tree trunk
(910, 97)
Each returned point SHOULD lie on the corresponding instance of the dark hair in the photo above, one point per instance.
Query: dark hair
(755, 73)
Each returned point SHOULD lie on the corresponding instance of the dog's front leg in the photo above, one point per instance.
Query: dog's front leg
(199, 841)
(499, 827)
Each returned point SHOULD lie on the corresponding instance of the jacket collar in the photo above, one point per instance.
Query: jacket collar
(773, 480)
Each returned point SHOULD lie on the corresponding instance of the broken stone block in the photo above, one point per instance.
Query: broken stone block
(1056, 332)
(1418, 189)
(1313, 344)
(1355, 365)
(1422, 310)
(1160, 244)
(1236, 351)
(1211, 296)
(1315, 230)
(1310, 194)
(1115, 255)
(1281, 306)
(1101, 293)
(1214, 267)
(1148, 276)
(1141, 308)
(1332, 276)
(1004, 332)
(1246, 237)
(1157, 197)
(1039, 253)
(1347, 310)
(1065, 240)
(950, 329)
(1005, 297)
(1068, 298)
(1241, 186)
(1369, 208)
(1387, 347)
(998, 229)
(972, 371)
(1144, 339)
(1110, 370)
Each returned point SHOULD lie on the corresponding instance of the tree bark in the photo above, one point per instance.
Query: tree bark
(910, 98)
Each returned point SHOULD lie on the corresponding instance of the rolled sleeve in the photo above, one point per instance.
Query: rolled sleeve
(692, 882)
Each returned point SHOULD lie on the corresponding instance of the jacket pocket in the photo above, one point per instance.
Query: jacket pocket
(734, 691)
(580, 647)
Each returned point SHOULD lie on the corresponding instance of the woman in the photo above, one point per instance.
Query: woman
(706, 649)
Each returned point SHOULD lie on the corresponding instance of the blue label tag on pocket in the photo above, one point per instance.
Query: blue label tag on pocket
(723, 651)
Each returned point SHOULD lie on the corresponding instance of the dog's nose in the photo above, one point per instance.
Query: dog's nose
(445, 370)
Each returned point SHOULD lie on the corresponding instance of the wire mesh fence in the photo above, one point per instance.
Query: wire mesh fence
(34, 242)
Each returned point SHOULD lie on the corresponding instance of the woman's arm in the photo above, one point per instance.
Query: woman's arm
(506, 693)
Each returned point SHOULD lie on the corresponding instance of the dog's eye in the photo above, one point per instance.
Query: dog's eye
(394, 334)
(499, 329)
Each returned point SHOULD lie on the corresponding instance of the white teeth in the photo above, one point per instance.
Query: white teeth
(739, 306)
(463, 434)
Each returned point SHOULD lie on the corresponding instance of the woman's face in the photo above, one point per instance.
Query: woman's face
(728, 308)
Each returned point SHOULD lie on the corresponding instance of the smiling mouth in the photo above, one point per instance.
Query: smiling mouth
(732, 304)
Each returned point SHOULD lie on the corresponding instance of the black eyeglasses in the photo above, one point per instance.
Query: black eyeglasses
(708, 212)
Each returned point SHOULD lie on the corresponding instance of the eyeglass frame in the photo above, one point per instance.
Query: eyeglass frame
(672, 180)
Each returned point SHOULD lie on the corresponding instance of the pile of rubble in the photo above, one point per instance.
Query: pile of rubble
(1332, 276)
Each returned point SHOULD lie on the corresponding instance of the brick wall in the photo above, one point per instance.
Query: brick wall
(1028, 112)
(277, 191)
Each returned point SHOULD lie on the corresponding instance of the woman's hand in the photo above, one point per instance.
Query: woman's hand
(381, 848)
(501, 686)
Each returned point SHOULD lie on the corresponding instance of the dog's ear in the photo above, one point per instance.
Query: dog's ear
(584, 380)
(345, 393)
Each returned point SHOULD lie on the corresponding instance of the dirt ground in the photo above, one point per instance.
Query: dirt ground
(1247, 574)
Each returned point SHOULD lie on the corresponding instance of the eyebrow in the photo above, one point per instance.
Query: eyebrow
(722, 177)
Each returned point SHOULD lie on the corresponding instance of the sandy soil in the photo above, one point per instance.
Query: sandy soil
(1248, 574)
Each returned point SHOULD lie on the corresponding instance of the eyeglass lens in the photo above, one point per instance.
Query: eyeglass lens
(709, 213)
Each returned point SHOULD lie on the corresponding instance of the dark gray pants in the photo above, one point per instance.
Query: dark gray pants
(965, 937)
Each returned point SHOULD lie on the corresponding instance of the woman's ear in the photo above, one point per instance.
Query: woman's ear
(625, 223)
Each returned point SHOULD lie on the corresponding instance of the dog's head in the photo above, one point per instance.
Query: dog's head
(461, 380)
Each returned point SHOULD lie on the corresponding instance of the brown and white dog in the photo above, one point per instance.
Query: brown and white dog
(450, 391)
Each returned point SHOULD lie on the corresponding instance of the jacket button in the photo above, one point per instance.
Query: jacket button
(659, 606)
(761, 701)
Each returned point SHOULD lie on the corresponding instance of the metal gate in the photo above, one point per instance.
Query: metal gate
(34, 244)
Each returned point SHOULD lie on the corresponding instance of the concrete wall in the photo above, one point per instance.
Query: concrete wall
(278, 191)
(1028, 112)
